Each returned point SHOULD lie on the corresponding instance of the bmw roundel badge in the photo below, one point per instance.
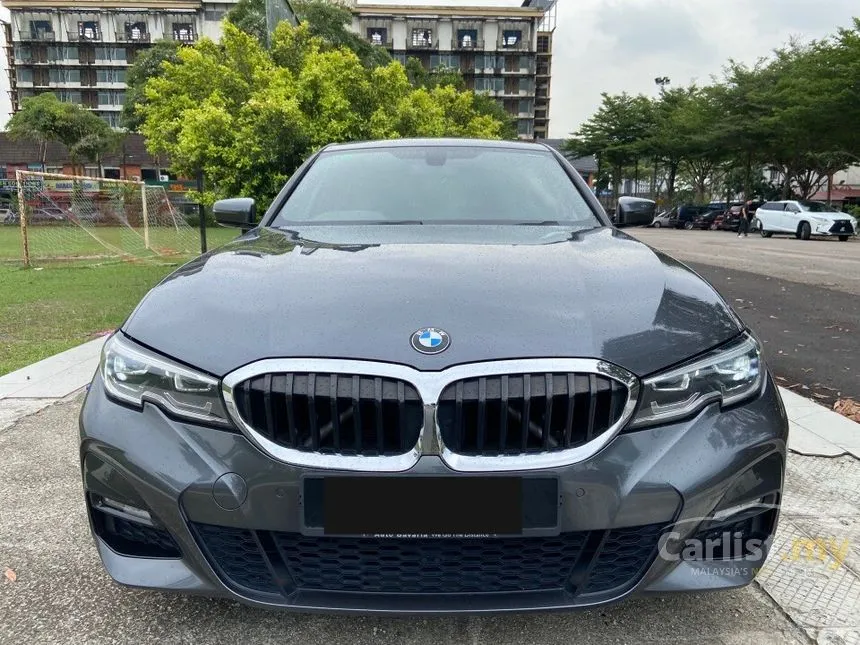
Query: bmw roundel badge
(430, 340)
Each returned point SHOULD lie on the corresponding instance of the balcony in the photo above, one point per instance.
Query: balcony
(39, 36)
(143, 38)
(421, 44)
(467, 45)
(92, 37)
(521, 45)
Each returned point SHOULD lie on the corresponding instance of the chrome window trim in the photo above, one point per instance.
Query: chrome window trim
(430, 386)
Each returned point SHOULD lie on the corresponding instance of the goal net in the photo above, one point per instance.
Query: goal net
(69, 217)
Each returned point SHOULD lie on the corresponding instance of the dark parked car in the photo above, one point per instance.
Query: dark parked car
(706, 220)
(634, 211)
(433, 378)
(730, 220)
(685, 216)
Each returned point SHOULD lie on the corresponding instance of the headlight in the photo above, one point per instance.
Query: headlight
(821, 220)
(133, 375)
(727, 375)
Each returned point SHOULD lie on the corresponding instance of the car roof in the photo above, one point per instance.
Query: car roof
(414, 143)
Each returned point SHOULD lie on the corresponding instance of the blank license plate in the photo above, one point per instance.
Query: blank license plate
(422, 506)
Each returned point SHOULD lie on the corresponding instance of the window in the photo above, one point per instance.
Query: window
(89, 30)
(377, 36)
(41, 29)
(492, 84)
(183, 32)
(214, 13)
(817, 207)
(136, 31)
(511, 38)
(422, 37)
(149, 174)
(111, 173)
(444, 60)
(23, 53)
(62, 53)
(108, 75)
(543, 44)
(772, 206)
(69, 96)
(400, 57)
(65, 75)
(526, 106)
(110, 53)
(467, 38)
(432, 184)
(25, 75)
(525, 126)
(111, 118)
(527, 62)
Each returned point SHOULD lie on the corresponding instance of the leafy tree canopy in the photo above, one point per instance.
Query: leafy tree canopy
(247, 116)
(795, 112)
(44, 118)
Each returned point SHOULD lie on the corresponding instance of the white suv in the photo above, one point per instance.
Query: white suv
(804, 219)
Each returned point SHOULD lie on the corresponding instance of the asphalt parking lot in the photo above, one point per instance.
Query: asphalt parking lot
(62, 595)
(801, 298)
(58, 591)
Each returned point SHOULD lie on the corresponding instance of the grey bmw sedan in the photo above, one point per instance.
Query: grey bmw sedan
(432, 378)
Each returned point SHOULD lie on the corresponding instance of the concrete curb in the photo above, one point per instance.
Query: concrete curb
(815, 430)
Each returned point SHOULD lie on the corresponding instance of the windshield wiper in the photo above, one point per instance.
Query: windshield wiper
(546, 222)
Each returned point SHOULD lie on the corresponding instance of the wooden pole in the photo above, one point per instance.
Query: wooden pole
(22, 215)
(145, 215)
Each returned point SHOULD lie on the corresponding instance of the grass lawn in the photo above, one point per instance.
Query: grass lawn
(58, 305)
(75, 242)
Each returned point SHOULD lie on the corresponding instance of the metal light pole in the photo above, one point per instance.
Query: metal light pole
(662, 82)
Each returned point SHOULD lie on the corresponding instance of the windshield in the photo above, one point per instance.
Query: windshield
(436, 185)
(817, 207)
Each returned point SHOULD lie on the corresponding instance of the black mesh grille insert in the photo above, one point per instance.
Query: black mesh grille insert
(528, 413)
(623, 557)
(430, 565)
(333, 413)
(426, 566)
(133, 538)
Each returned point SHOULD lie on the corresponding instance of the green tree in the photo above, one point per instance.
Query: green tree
(45, 118)
(616, 134)
(248, 116)
(40, 120)
(148, 64)
(250, 17)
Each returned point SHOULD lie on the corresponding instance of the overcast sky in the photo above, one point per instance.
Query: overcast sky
(622, 45)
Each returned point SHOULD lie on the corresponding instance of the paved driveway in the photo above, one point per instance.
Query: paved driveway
(62, 595)
(821, 262)
(801, 298)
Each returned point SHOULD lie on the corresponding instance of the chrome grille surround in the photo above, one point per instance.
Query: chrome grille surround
(430, 386)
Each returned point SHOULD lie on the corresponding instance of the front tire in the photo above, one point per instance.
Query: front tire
(657, 225)
(765, 233)
(805, 231)
(688, 226)
(844, 238)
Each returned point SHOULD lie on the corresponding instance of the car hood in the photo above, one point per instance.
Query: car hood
(499, 292)
(830, 217)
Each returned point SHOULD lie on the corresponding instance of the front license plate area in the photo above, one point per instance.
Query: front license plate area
(412, 506)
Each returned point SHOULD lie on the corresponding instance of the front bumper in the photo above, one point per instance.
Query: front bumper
(234, 517)
(841, 227)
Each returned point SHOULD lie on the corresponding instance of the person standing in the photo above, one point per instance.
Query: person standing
(744, 223)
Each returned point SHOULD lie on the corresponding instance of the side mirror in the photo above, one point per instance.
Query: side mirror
(240, 212)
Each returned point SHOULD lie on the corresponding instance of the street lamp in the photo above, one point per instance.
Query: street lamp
(662, 82)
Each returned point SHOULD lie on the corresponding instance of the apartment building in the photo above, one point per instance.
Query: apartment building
(81, 50)
(505, 52)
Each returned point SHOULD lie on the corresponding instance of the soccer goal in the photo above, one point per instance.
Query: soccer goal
(70, 217)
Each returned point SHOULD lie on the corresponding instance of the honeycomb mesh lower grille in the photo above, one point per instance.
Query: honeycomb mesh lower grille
(274, 562)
